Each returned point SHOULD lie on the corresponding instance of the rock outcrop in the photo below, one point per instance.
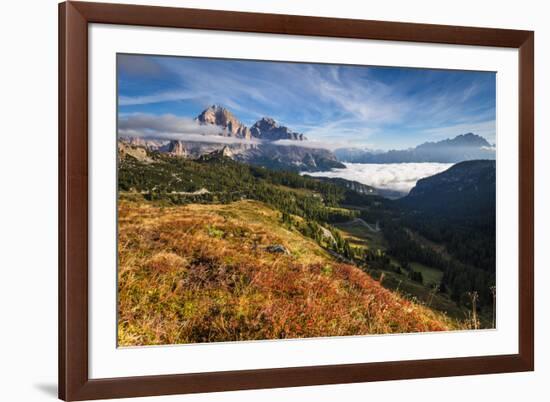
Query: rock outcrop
(177, 148)
(268, 129)
(230, 125)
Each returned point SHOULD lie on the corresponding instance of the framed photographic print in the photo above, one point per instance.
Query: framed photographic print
(258, 200)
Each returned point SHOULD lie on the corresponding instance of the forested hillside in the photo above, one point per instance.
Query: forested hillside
(457, 208)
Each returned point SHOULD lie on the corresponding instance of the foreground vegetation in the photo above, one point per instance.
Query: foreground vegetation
(207, 273)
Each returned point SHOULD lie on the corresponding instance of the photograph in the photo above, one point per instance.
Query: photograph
(265, 200)
(270, 201)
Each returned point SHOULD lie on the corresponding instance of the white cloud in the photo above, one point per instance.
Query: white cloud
(400, 177)
(148, 124)
(156, 98)
(315, 144)
(170, 127)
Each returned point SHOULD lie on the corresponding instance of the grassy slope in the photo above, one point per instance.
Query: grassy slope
(430, 275)
(422, 293)
(360, 235)
(201, 273)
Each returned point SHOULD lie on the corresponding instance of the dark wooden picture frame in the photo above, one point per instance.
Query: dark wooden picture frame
(74, 382)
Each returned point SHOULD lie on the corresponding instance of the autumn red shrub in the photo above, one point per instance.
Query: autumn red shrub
(203, 273)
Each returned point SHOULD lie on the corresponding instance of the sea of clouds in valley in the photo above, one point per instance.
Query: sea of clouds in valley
(400, 177)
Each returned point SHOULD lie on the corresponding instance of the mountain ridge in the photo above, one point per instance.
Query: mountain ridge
(266, 152)
(468, 146)
(266, 128)
(219, 116)
(466, 189)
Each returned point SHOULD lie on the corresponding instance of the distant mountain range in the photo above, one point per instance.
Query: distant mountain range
(461, 148)
(266, 128)
(261, 144)
(263, 152)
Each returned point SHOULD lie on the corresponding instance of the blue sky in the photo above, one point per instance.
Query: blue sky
(333, 105)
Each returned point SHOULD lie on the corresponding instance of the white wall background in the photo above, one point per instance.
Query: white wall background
(28, 201)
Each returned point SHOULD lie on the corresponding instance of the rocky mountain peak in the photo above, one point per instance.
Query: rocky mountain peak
(216, 114)
(266, 122)
(137, 152)
(220, 116)
(471, 139)
(218, 154)
(468, 140)
(268, 129)
(177, 148)
(137, 141)
(226, 152)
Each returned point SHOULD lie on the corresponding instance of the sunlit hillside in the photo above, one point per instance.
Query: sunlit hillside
(230, 272)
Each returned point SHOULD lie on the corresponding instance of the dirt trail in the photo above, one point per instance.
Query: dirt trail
(360, 221)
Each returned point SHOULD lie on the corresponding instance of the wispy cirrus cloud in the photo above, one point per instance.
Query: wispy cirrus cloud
(156, 98)
(386, 107)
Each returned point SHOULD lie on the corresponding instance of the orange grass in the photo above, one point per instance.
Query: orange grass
(201, 273)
